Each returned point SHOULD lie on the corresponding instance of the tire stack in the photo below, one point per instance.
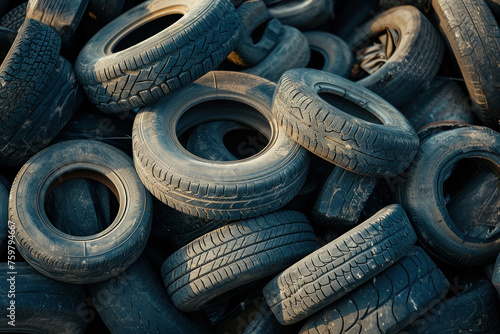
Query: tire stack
(258, 166)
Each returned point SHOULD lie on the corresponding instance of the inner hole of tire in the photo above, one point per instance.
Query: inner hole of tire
(145, 31)
(79, 204)
(243, 141)
(349, 107)
(317, 59)
(472, 197)
(258, 32)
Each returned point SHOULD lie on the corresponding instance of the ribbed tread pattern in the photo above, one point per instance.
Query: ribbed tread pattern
(386, 303)
(339, 267)
(14, 18)
(234, 255)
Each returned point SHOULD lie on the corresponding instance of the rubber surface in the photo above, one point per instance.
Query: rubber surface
(14, 18)
(335, 52)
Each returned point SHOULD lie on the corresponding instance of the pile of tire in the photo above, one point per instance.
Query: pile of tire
(250, 166)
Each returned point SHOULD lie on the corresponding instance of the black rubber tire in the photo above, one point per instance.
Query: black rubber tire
(104, 11)
(42, 305)
(256, 185)
(234, 255)
(89, 259)
(342, 198)
(14, 18)
(334, 130)
(4, 209)
(336, 54)
(136, 302)
(305, 14)
(63, 16)
(415, 61)
(494, 6)
(265, 323)
(169, 60)
(339, 267)
(254, 16)
(443, 100)
(292, 52)
(423, 5)
(475, 310)
(496, 275)
(388, 302)
(421, 193)
(474, 36)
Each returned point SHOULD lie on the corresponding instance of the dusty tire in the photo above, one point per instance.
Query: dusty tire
(340, 266)
(303, 14)
(421, 194)
(72, 259)
(291, 52)
(234, 255)
(474, 36)
(386, 303)
(14, 18)
(344, 123)
(332, 51)
(415, 61)
(42, 305)
(118, 77)
(136, 302)
(257, 185)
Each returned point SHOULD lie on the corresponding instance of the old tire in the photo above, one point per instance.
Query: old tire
(330, 50)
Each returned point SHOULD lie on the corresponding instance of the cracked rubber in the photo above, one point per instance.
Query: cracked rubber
(415, 61)
(421, 194)
(388, 302)
(176, 56)
(14, 18)
(234, 255)
(341, 266)
(334, 130)
(136, 302)
(257, 185)
(475, 310)
(42, 305)
(474, 36)
(342, 199)
(80, 260)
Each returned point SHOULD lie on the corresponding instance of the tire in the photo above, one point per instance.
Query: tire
(4, 209)
(350, 15)
(494, 6)
(421, 193)
(63, 16)
(347, 124)
(14, 18)
(415, 61)
(423, 5)
(234, 255)
(342, 198)
(443, 100)
(255, 17)
(388, 302)
(292, 52)
(63, 257)
(143, 73)
(475, 310)
(42, 305)
(474, 36)
(341, 266)
(303, 14)
(265, 323)
(257, 185)
(105, 11)
(496, 275)
(136, 302)
(329, 53)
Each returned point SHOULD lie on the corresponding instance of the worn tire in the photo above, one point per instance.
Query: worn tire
(234, 255)
(342, 128)
(474, 310)
(254, 18)
(303, 14)
(342, 198)
(421, 193)
(474, 36)
(42, 305)
(257, 185)
(291, 52)
(388, 302)
(332, 50)
(136, 302)
(88, 259)
(340, 266)
(414, 63)
(143, 73)
(14, 18)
